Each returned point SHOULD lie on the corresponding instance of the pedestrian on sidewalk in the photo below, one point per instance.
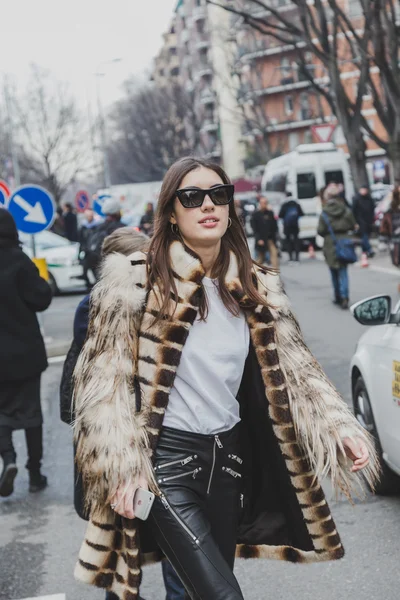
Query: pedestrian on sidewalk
(70, 223)
(95, 237)
(195, 381)
(124, 241)
(88, 224)
(147, 221)
(265, 230)
(364, 214)
(290, 214)
(390, 227)
(22, 356)
(341, 221)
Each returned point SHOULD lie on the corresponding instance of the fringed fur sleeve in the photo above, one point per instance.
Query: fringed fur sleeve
(110, 435)
(322, 419)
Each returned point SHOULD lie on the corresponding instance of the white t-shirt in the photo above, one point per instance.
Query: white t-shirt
(203, 398)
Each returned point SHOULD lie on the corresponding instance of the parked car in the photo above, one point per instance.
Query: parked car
(62, 257)
(375, 383)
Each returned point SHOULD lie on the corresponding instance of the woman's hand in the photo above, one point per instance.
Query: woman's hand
(122, 501)
(357, 451)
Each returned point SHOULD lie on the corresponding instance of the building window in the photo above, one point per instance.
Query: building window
(355, 8)
(286, 71)
(293, 141)
(174, 72)
(289, 106)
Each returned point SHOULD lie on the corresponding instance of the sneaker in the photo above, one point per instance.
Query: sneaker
(37, 482)
(7, 479)
(345, 303)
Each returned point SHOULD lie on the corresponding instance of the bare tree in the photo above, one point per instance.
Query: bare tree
(385, 87)
(324, 29)
(152, 127)
(53, 145)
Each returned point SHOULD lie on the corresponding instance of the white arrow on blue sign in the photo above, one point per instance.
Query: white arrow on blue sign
(33, 208)
(98, 204)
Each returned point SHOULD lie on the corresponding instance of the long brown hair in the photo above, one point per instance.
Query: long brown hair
(158, 261)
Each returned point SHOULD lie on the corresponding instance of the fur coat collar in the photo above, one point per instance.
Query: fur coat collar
(304, 417)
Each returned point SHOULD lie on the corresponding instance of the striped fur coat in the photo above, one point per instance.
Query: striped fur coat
(293, 416)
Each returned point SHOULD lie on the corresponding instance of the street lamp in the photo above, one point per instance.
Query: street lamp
(103, 130)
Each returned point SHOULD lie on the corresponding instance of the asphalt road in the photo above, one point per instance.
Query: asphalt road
(40, 535)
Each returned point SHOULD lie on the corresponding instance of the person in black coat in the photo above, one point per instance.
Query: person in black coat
(265, 230)
(22, 356)
(70, 223)
(290, 213)
(364, 214)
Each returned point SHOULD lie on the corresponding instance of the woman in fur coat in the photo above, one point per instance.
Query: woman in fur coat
(195, 382)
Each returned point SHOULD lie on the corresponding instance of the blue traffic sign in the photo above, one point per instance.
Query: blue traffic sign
(82, 201)
(33, 208)
(98, 204)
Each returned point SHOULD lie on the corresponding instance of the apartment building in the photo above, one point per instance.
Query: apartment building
(196, 50)
(277, 97)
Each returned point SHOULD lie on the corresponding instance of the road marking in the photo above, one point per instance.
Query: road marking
(54, 597)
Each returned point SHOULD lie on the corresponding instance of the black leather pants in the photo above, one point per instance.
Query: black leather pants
(195, 520)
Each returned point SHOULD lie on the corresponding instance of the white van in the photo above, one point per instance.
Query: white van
(303, 173)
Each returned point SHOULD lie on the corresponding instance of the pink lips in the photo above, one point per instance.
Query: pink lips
(209, 224)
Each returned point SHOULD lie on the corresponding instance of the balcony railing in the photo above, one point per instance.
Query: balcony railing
(295, 123)
(202, 40)
(207, 96)
(199, 13)
(209, 124)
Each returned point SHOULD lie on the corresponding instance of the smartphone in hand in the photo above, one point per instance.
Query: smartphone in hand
(142, 503)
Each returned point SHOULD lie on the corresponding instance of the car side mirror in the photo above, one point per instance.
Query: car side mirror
(374, 311)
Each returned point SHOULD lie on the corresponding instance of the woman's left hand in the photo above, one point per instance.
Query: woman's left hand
(357, 451)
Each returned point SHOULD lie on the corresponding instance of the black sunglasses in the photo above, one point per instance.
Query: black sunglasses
(194, 197)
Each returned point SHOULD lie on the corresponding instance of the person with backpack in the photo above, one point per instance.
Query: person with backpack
(123, 241)
(265, 230)
(290, 214)
(96, 236)
(335, 222)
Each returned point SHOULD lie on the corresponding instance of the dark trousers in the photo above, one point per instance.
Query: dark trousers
(195, 520)
(34, 444)
(293, 244)
(365, 245)
(340, 283)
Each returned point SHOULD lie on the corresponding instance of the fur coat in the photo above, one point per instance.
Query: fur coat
(293, 418)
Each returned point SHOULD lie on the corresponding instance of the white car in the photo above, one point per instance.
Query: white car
(375, 383)
(62, 259)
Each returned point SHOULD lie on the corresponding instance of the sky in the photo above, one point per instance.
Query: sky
(73, 37)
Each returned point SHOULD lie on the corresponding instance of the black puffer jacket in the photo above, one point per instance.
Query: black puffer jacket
(22, 293)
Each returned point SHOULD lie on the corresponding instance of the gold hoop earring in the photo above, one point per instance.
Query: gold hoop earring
(229, 222)
(176, 230)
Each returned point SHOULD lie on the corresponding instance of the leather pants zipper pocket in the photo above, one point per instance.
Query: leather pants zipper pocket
(179, 475)
(180, 461)
(234, 474)
(217, 442)
(177, 518)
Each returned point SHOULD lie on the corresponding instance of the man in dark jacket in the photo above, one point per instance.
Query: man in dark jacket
(364, 214)
(265, 230)
(22, 356)
(290, 214)
(147, 221)
(70, 223)
(342, 221)
(97, 235)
